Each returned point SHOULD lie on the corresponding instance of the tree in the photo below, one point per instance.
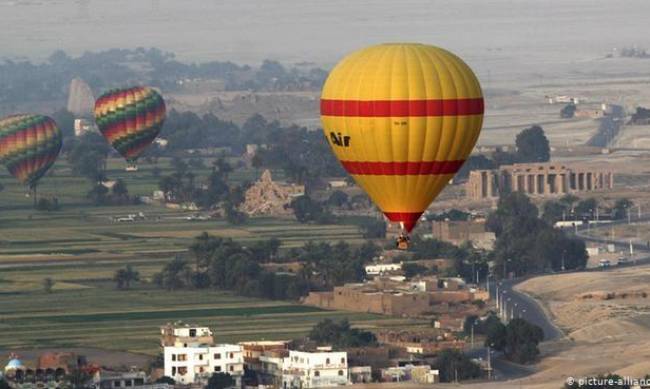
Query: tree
(454, 365)
(621, 208)
(174, 275)
(474, 162)
(586, 208)
(87, 155)
(48, 285)
(124, 277)
(532, 145)
(337, 199)
(413, 269)
(222, 168)
(234, 216)
(220, 381)
(179, 166)
(522, 339)
(98, 194)
(569, 200)
(518, 340)
(526, 244)
(568, 111)
(452, 214)
(119, 189)
(554, 211)
(373, 228)
(307, 210)
(341, 335)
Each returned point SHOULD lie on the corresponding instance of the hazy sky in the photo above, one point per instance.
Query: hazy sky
(516, 33)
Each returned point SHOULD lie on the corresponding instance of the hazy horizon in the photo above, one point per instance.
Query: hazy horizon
(498, 36)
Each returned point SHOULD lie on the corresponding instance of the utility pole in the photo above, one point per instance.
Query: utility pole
(497, 296)
(489, 361)
(472, 336)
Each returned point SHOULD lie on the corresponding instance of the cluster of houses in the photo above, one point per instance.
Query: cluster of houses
(191, 357)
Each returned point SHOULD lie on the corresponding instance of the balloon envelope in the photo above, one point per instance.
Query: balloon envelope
(130, 119)
(402, 119)
(29, 145)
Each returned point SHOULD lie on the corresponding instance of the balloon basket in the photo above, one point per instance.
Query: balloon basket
(131, 168)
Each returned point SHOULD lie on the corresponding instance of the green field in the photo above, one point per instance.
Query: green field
(81, 231)
(100, 316)
(80, 247)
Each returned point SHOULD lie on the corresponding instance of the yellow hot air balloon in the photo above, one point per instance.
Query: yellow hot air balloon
(402, 119)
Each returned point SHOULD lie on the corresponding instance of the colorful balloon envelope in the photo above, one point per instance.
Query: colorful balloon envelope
(29, 145)
(130, 119)
(402, 119)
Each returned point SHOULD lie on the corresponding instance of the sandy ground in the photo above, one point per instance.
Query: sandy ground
(602, 335)
(606, 318)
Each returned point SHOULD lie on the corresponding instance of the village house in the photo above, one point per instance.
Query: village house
(304, 369)
(458, 232)
(377, 269)
(421, 374)
(191, 355)
(314, 369)
(423, 342)
(395, 297)
(195, 363)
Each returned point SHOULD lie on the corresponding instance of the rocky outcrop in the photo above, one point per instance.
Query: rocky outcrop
(267, 197)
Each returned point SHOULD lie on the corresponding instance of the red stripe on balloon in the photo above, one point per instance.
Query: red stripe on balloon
(401, 108)
(402, 168)
(408, 219)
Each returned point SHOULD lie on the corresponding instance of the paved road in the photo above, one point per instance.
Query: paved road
(521, 305)
(518, 304)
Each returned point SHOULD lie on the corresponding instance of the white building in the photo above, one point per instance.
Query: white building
(419, 374)
(314, 369)
(161, 142)
(382, 268)
(82, 126)
(196, 363)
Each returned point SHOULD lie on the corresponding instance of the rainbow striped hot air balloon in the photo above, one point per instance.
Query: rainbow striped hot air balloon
(29, 145)
(130, 119)
(402, 119)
